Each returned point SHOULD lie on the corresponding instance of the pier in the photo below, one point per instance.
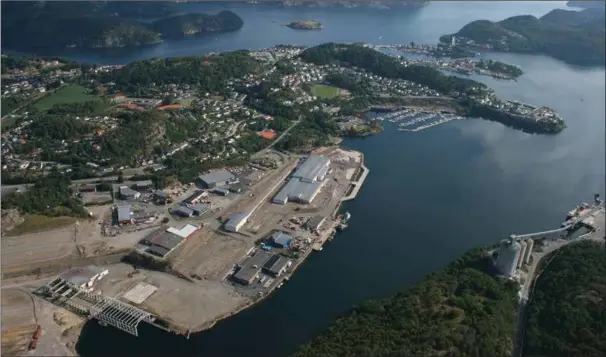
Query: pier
(412, 121)
(357, 185)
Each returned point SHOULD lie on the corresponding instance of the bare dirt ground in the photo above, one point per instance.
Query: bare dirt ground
(184, 304)
(21, 312)
(18, 322)
(209, 255)
(45, 246)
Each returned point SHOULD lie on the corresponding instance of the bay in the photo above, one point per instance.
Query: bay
(430, 195)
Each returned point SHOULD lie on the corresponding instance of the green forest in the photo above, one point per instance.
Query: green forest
(461, 311)
(50, 196)
(576, 37)
(102, 24)
(208, 72)
(386, 66)
(567, 311)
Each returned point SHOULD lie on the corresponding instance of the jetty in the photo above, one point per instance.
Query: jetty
(357, 185)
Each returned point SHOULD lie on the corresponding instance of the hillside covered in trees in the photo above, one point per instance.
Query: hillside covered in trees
(576, 37)
(208, 72)
(386, 66)
(460, 311)
(30, 25)
(567, 311)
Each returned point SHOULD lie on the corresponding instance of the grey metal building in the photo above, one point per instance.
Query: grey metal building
(184, 212)
(200, 208)
(250, 268)
(315, 223)
(306, 182)
(163, 243)
(124, 214)
(217, 179)
(236, 221)
(276, 265)
(127, 193)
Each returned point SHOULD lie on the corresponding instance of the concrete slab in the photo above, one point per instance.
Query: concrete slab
(140, 293)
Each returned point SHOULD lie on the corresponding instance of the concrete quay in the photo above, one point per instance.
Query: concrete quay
(357, 185)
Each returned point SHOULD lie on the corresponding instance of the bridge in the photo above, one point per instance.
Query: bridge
(107, 310)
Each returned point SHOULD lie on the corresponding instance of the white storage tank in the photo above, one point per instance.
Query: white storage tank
(522, 254)
(529, 246)
(509, 254)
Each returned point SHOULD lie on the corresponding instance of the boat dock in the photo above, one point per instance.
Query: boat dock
(413, 121)
(325, 236)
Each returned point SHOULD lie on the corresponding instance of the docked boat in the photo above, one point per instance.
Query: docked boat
(346, 217)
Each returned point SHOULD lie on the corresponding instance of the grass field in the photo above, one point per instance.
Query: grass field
(323, 91)
(7, 122)
(37, 223)
(72, 93)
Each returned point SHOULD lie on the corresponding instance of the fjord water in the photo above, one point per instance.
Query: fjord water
(430, 195)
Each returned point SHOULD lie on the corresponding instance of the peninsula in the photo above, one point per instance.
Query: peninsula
(305, 25)
(471, 309)
(36, 25)
(575, 37)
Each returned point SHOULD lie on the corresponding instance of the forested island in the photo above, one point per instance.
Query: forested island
(567, 310)
(31, 25)
(305, 25)
(462, 310)
(575, 37)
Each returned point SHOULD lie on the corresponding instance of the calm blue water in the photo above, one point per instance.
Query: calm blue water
(430, 195)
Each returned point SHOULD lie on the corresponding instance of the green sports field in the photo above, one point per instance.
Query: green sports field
(72, 93)
(323, 91)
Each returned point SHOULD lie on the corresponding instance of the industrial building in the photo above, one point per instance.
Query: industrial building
(163, 241)
(142, 185)
(195, 197)
(236, 221)
(250, 268)
(199, 208)
(276, 265)
(217, 179)
(124, 214)
(509, 254)
(220, 191)
(315, 223)
(161, 196)
(236, 188)
(305, 183)
(87, 188)
(84, 277)
(127, 193)
(281, 239)
(183, 211)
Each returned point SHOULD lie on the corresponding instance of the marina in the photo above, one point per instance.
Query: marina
(412, 121)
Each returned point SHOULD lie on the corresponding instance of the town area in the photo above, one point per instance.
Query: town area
(224, 243)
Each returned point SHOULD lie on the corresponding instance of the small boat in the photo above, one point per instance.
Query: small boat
(346, 217)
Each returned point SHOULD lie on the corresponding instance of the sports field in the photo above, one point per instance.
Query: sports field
(324, 91)
(73, 93)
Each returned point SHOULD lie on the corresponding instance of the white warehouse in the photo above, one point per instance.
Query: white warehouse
(306, 182)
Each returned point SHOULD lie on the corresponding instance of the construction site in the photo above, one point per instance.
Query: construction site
(236, 246)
